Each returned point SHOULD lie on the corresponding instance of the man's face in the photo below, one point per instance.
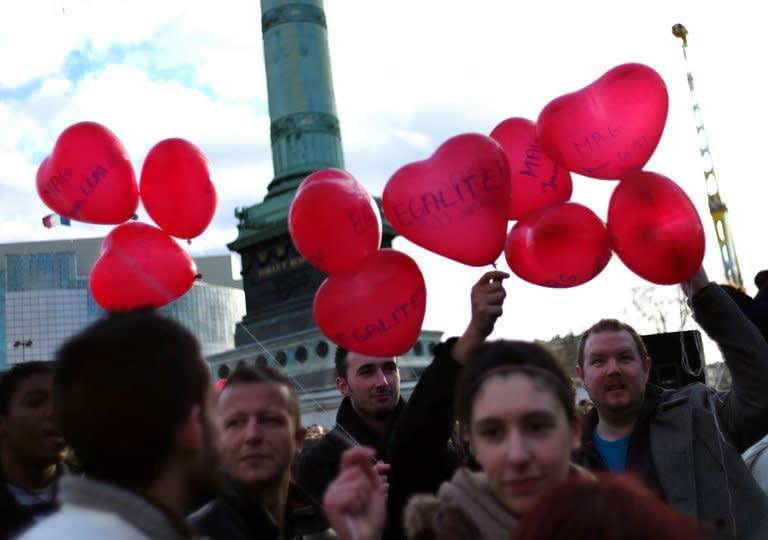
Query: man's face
(260, 436)
(28, 430)
(372, 384)
(614, 374)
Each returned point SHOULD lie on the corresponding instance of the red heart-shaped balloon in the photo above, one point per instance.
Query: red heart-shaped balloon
(657, 232)
(88, 176)
(140, 265)
(608, 128)
(176, 188)
(536, 182)
(561, 246)
(455, 203)
(376, 309)
(333, 221)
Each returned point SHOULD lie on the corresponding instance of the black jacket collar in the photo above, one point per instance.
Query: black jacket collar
(351, 425)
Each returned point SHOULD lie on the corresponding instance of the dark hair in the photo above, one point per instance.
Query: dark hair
(250, 375)
(504, 357)
(340, 359)
(14, 377)
(611, 325)
(121, 388)
(611, 506)
(761, 278)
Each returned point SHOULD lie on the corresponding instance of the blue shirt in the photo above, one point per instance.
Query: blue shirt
(614, 453)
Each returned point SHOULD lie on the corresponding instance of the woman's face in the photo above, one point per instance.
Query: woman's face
(521, 437)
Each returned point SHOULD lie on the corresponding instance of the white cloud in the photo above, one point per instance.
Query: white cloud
(407, 76)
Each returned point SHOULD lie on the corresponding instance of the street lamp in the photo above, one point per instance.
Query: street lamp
(23, 344)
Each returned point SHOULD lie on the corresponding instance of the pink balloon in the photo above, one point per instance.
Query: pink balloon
(657, 232)
(140, 265)
(376, 309)
(333, 221)
(536, 182)
(561, 246)
(456, 202)
(88, 176)
(176, 188)
(608, 128)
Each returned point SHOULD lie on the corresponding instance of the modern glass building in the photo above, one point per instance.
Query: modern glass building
(44, 299)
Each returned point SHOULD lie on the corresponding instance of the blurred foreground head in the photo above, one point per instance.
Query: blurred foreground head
(606, 508)
(132, 396)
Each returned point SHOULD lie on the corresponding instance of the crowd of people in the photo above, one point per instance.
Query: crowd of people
(124, 436)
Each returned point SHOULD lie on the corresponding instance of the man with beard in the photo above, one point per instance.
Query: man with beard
(411, 441)
(134, 399)
(262, 435)
(684, 443)
(30, 447)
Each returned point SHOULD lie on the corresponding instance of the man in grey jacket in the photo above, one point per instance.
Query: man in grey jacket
(686, 443)
(133, 398)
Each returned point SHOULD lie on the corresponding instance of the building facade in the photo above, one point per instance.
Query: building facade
(44, 299)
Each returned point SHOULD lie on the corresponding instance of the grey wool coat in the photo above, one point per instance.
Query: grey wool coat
(688, 442)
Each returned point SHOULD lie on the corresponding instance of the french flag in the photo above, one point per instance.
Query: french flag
(52, 220)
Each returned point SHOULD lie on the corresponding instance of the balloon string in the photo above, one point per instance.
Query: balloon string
(157, 286)
(351, 527)
(299, 386)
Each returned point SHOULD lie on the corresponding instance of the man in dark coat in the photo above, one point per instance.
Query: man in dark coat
(684, 443)
(30, 447)
(262, 436)
(411, 440)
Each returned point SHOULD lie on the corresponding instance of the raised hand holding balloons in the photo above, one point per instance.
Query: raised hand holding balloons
(455, 203)
(140, 265)
(608, 128)
(536, 182)
(333, 221)
(657, 232)
(375, 309)
(176, 188)
(560, 246)
(88, 176)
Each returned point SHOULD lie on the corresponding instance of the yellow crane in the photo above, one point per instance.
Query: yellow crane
(717, 208)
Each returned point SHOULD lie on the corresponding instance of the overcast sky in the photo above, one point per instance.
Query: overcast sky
(408, 75)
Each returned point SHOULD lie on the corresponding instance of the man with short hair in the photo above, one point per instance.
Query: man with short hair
(262, 436)
(30, 446)
(134, 399)
(684, 443)
(411, 440)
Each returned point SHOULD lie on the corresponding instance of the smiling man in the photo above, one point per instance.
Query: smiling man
(684, 443)
(262, 436)
(411, 441)
(30, 446)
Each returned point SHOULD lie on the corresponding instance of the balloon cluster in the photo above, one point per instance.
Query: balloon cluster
(458, 202)
(374, 300)
(88, 177)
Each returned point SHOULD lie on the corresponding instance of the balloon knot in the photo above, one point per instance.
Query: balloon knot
(189, 241)
(198, 276)
(134, 217)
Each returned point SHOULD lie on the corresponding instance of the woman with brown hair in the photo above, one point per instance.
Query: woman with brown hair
(517, 412)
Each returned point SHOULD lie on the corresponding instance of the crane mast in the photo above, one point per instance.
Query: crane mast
(717, 208)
